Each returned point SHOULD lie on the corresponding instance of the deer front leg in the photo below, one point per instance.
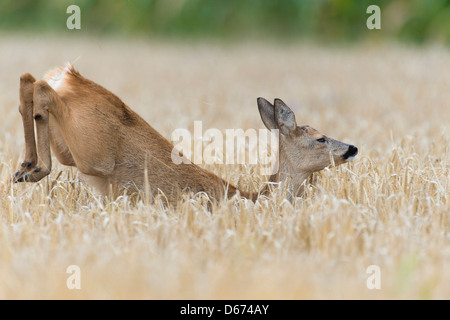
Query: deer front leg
(26, 111)
(43, 99)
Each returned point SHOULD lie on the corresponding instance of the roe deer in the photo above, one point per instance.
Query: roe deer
(88, 127)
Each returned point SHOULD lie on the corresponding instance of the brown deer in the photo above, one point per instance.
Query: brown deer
(88, 127)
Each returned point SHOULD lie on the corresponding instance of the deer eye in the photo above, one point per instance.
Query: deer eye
(321, 140)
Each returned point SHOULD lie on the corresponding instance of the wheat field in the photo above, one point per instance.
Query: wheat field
(389, 208)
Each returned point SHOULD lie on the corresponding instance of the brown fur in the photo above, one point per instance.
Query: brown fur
(89, 127)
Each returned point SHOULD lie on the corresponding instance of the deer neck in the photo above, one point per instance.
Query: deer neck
(287, 173)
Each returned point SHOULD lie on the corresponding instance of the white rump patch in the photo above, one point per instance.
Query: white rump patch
(55, 81)
(68, 68)
(55, 77)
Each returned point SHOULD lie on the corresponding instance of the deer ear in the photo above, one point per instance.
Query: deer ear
(284, 117)
(267, 113)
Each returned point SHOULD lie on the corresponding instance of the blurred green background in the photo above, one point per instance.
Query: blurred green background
(417, 21)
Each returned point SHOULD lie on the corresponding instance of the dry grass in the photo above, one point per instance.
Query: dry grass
(390, 207)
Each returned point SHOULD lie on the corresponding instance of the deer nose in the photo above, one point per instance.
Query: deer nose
(351, 152)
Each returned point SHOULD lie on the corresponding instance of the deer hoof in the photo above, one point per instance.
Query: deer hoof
(26, 164)
(20, 176)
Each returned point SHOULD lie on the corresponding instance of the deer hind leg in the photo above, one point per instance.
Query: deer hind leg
(26, 111)
(44, 98)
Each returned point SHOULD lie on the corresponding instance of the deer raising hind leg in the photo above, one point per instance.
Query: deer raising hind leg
(88, 127)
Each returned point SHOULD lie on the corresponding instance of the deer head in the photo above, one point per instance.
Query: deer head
(302, 149)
